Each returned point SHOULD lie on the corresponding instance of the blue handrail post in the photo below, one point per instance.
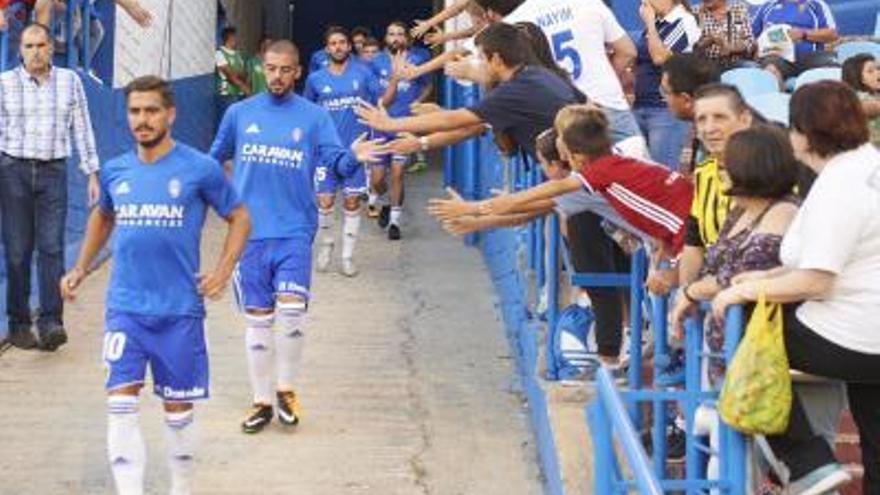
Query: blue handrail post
(734, 464)
(603, 460)
(87, 35)
(693, 350)
(552, 288)
(4, 50)
(449, 90)
(70, 39)
(658, 319)
(637, 277)
(470, 161)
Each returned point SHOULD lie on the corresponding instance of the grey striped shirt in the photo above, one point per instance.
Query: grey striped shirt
(36, 120)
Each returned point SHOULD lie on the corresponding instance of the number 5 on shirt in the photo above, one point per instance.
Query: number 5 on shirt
(563, 51)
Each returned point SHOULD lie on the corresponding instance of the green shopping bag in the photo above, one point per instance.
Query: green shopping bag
(756, 395)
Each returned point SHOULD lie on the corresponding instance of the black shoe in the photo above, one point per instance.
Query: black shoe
(289, 409)
(258, 417)
(23, 339)
(394, 232)
(53, 339)
(384, 217)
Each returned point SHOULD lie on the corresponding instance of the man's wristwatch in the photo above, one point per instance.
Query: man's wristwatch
(424, 144)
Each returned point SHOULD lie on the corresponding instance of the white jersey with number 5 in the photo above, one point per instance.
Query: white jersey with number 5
(578, 31)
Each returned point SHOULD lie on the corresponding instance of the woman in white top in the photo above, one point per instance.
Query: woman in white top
(831, 262)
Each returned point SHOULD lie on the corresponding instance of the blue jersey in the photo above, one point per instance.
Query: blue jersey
(801, 14)
(159, 210)
(407, 91)
(320, 59)
(340, 94)
(277, 143)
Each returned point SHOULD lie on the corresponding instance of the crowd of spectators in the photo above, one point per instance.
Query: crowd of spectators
(760, 212)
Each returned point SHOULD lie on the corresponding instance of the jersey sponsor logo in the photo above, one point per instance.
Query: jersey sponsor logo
(174, 188)
(274, 155)
(341, 103)
(555, 17)
(150, 215)
(122, 188)
(252, 129)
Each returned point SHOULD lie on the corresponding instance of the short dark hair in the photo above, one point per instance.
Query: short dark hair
(501, 7)
(734, 97)
(587, 133)
(227, 32)
(851, 72)
(371, 41)
(331, 30)
(687, 72)
(146, 84)
(831, 117)
(285, 47)
(545, 145)
(508, 42)
(361, 31)
(760, 163)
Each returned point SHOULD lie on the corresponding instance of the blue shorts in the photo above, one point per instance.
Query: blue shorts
(173, 346)
(271, 267)
(393, 158)
(328, 182)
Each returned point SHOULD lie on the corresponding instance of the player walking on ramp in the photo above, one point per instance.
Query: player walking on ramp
(339, 88)
(156, 200)
(278, 139)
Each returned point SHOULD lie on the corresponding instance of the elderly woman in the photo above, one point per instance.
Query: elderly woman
(829, 282)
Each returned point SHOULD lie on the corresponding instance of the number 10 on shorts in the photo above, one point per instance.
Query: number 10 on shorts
(114, 346)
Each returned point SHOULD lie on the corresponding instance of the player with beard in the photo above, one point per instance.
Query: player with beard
(278, 140)
(399, 95)
(338, 88)
(156, 199)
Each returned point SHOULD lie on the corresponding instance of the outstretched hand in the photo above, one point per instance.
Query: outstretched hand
(405, 144)
(452, 207)
(375, 117)
(467, 224)
(368, 151)
(422, 28)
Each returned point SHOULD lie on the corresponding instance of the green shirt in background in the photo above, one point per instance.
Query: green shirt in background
(873, 123)
(232, 59)
(256, 74)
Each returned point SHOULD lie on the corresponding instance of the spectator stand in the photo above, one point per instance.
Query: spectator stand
(515, 257)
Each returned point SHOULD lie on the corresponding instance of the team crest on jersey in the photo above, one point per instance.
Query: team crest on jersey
(297, 135)
(123, 188)
(357, 86)
(174, 188)
(327, 89)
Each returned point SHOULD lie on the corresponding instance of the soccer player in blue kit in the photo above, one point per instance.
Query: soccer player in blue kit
(339, 88)
(156, 199)
(399, 94)
(278, 139)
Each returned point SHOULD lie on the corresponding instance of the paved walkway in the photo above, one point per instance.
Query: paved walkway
(407, 389)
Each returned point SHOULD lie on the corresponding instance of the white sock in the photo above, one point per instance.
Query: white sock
(258, 344)
(396, 212)
(325, 226)
(125, 444)
(180, 436)
(372, 198)
(351, 225)
(289, 342)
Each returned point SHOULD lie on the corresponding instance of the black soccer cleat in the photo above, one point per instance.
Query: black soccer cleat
(384, 217)
(258, 418)
(393, 232)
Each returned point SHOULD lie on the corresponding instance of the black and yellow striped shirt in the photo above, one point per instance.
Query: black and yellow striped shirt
(710, 205)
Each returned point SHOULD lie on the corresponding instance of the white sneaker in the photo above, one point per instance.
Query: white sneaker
(324, 254)
(349, 269)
